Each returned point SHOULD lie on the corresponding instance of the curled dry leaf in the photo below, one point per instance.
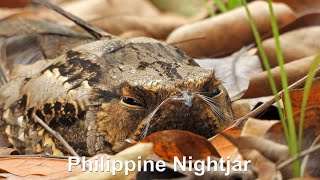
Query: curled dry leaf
(224, 146)
(304, 20)
(159, 29)
(171, 143)
(269, 149)
(227, 32)
(295, 70)
(90, 11)
(266, 168)
(311, 131)
(302, 6)
(240, 108)
(103, 8)
(295, 45)
(263, 153)
(256, 127)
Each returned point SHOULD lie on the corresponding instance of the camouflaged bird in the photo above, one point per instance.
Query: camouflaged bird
(100, 94)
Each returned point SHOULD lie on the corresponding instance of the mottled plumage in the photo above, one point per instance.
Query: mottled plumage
(99, 94)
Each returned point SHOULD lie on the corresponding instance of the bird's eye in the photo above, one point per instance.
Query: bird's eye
(213, 93)
(216, 91)
(131, 102)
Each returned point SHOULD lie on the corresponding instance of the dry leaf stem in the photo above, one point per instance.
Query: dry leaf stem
(56, 135)
(300, 155)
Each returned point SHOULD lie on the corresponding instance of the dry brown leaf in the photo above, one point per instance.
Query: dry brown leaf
(92, 10)
(227, 32)
(171, 143)
(14, 3)
(311, 131)
(256, 127)
(313, 98)
(158, 29)
(304, 20)
(266, 168)
(295, 45)
(24, 166)
(240, 108)
(302, 6)
(224, 146)
(295, 70)
(102, 8)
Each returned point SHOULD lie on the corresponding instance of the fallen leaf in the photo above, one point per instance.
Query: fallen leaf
(304, 20)
(313, 98)
(176, 143)
(228, 32)
(14, 3)
(24, 166)
(120, 24)
(224, 146)
(296, 44)
(311, 131)
(259, 86)
(102, 8)
(256, 127)
(240, 108)
(261, 152)
(302, 6)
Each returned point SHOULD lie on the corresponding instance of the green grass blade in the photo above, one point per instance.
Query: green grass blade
(306, 91)
(231, 4)
(220, 5)
(287, 100)
(266, 65)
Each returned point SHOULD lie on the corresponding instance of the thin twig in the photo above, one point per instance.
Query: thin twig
(93, 30)
(56, 135)
(300, 155)
(264, 106)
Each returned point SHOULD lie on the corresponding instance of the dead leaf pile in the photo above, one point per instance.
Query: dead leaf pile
(31, 33)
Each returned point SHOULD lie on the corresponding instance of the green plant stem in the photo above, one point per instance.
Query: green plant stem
(220, 5)
(266, 65)
(287, 100)
(306, 91)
